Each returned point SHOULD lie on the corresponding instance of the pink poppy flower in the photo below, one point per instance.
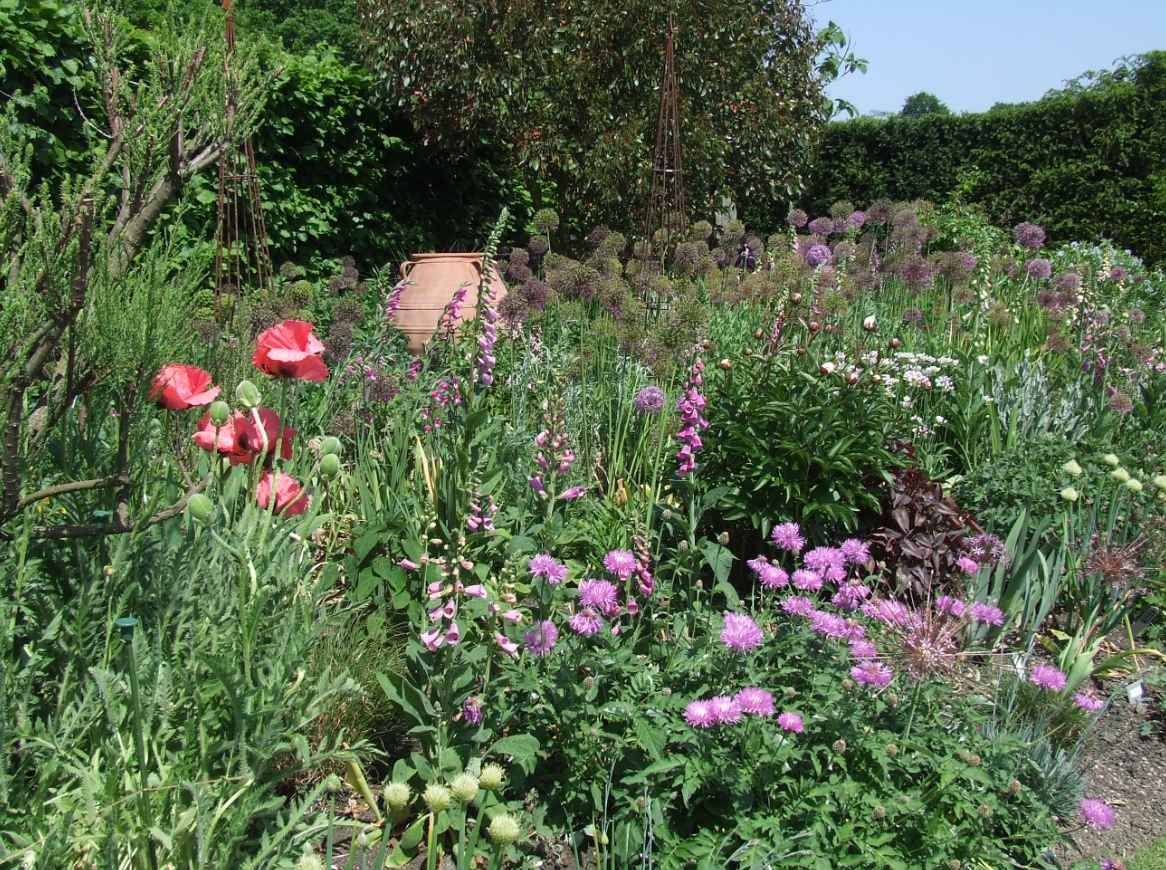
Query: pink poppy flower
(224, 438)
(290, 350)
(179, 386)
(290, 499)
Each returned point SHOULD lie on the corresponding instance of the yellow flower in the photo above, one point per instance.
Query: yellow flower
(1069, 494)
(1071, 467)
(1120, 475)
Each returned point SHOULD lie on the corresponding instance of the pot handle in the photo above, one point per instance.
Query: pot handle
(405, 267)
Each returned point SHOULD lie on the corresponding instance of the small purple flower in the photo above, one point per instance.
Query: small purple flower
(971, 566)
(1097, 814)
(873, 674)
(586, 622)
(698, 714)
(541, 639)
(1089, 700)
(650, 401)
(621, 563)
(856, 219)
(808, 581)
(1048, 677)
(855, 552)
(547, 568)
(791, 722)
(755, 701)
(986, 613)
(818, 255)
(472, 710)
(797, 605)
(828, 624)
(725, 710)
(949, 605)
(598, 594)
(890, 612)
(788, 537)
(740, 633)
(1117, 273)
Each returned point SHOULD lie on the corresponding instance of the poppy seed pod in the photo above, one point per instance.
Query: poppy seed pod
(248, 394)
(220, 413)
(201, 507)
(330, 446)
(329, 466)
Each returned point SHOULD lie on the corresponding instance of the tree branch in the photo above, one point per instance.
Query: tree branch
(75, 486)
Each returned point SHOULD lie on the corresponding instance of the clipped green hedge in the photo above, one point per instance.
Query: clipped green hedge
(1087, 162)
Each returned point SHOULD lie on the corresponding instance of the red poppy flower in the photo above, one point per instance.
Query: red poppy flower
(290, 499)
(229, 442)
(251, 438)
(289, 350)
(178, 387)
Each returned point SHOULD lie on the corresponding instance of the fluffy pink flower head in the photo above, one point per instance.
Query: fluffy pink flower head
(873, 674)
(798, 605)
(740, 633)
(986, 613)
(806, 580)
(1048, 677)
(949, 605)
(791, 722)
(585, 622)
(599, 594)
(725, 710)
(621, 563)
(971, 566)
(699, 715)
(788, 537)
(547, 568)
(772, 577)
(855, 552)
(541, 639)
(755, 701)
(1097, 814)
(822, 559)
(1089, 700)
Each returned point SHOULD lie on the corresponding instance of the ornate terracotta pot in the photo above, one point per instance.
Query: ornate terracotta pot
(433, 281)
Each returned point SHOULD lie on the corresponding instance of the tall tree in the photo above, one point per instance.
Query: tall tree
(570, 86)
(923, 103)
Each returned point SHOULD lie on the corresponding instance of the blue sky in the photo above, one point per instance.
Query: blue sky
(975, 53)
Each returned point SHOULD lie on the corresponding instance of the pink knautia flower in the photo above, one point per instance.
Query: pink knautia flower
(725, 710)
(855, 552)
(506, 644)
(861, 648)
(472, 709)
(621, 563)
(798, 605)
(546, 567)
(740, 633)
(541, 639)
(986, 613)
(1048, 677)
(969, 565)
(598, 594)
(807, 581)
(873, 674)
(948, 605)
(788, 537)
(822, 559)
(698, 714)
(791, 722)
(586, 622)
(755, 701)
(1088, 699)
(1097, 814)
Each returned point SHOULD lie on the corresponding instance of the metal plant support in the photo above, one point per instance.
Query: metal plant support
(666, 210)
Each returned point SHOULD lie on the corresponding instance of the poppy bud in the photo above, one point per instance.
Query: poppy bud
(852, 378)
(220, 413)
(814, 327)
(726, 364)
(795, 298)
(201, 507)
(895, 342)
(801, 351)
(248, 394)
(748, 351)
(330, 446)
(870, 324)
(757, 333)
(329, 466)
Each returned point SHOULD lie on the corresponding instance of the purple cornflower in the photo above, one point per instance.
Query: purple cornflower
(855, 552)
(949, 605)
(770, 576)
(971, 566)
(698, 714)
(598, 594)
(1029, 235)
(829, 624)
(472, 709)
(650, 401)
(873, 674)
(548, 568)
(755, 701)
(822, 559)
(740, 633)
(541, 639)
(1097, 814)
(1039, 268)
(1048, 677)
(725, 710)
(808, 581)
(788, 537)
(818, 255)
(621, 563)
(1089, 700)
(791, 722)
(797, 605)
(986, 613)
(585, 622)
(851, 594)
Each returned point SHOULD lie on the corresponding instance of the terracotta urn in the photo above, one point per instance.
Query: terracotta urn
(433, 280)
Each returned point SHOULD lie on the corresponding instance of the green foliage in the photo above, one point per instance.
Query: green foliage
(1085, 163)
(923, 103)
(571, 91)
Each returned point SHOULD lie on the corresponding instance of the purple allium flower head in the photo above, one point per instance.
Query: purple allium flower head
(725, 710)
(949, 605)
(1088, 699)
(873, 674)
(818, 255)
(788, 537)
(585, 622)
(1097, 814)
(621, 563)
(986, 613)
(797, 218)
(856, 219)
(797, 605)
(1029, 235)
(1068, 282)
(971, 566)
(1048, 677)
(472, 709)
(650, 400)
(969, 261)
(740, 633)
(541, 639)
(987, 549)
(855, 552)
(598, 594)
(755, 701)
(699, 715)
(547, 568)
(807, 581)
(1039, 268)
(822, 226)
(1117, 273)
(791, 722)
